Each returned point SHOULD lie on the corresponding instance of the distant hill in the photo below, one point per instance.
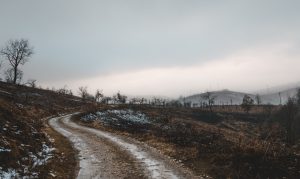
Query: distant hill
(221, 97)
(274, 98)
(227, 97)
(276, 89)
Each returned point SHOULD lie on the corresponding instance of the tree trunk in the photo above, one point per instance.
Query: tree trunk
(15, 75)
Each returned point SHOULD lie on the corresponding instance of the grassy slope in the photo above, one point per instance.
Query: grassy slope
(224, 145)
(23, 132)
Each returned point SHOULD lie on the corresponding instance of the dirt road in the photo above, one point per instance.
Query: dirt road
(106, 155)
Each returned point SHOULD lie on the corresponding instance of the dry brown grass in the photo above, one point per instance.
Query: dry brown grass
(22, 108)
(65, 163)
(224, 145)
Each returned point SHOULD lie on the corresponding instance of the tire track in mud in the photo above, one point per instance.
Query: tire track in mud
(106, 155)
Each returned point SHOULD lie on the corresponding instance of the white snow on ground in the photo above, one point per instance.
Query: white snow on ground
(157, 169)
(4, 149)
(11, 173)
(42, 157)
(126, 115)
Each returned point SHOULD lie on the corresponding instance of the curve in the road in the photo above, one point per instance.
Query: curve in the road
(154, 168)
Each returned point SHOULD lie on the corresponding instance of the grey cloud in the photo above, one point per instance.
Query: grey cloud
(80, 39)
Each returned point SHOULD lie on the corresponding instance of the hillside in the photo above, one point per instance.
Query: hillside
(219, 145)
(227, 97)
(221, 97)
(25, 148)
(274, 98)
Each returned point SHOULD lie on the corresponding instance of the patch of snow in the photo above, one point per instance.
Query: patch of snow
(89, 117)
(42, 157)
(20, 105)
(10, 173)
(118, 115)
(18, 132)
(4, 150)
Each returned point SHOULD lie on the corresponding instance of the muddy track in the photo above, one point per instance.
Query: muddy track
(106, 155)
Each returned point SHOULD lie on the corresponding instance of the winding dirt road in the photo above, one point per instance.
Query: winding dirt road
(106, 155)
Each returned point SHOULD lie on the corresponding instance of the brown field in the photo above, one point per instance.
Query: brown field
(222, 144)
(24, 132)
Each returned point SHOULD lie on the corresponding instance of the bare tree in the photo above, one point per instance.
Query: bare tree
(134, 101)
(298, 96)
(121, 98)
(258, 99)
(247, 103)
(156, 101)
(83, 92)
(16, 52)
(10, 76)
(99, 95)
(64, 91)
(31, 83)
(280, 100)
(210, 100)
(138, 100)
(106, 100)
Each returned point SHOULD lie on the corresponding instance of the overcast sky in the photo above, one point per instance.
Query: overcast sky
(157, 47)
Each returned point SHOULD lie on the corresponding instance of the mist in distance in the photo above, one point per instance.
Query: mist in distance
(163, 48)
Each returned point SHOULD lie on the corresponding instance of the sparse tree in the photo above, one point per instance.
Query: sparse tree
(99, 95)
(134, 101)
(115, 99)
(247, 103)
(187, 104)
(298, 97)
(31, 83)
(210, 100)
(258, 99)
(156, 101)
(64, 91)
(70, 92)
(121, 98)
(138, 101)
(16, 52)
(174, 103)
(106, 100)
(10, 76)
(280, 100)
(83, 93)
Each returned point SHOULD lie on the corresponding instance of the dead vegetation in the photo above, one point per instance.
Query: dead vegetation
(222, 145)
(27, 146)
